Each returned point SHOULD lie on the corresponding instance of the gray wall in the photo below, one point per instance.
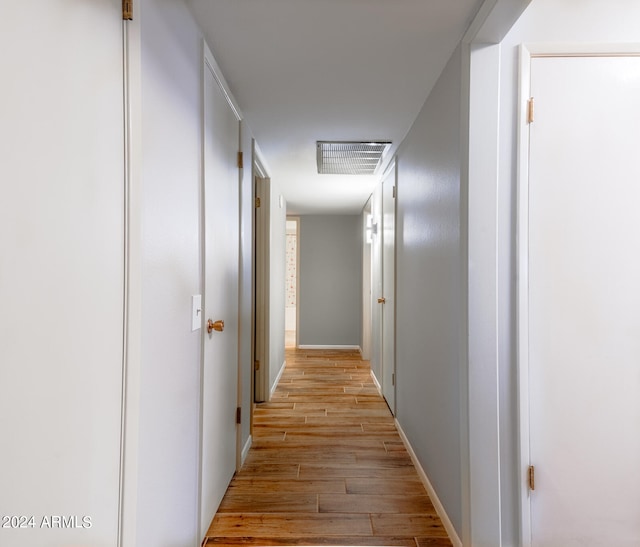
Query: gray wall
(245, 309)
(330, 292)
(429, 345)
(366, 286)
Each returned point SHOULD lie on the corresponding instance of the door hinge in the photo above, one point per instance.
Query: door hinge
(240, 160)
(394, 191)
(127, 10)
(532, 477)
(393, 379)
(256, 365)
(257, 202)
(238, 415)
(530, 112)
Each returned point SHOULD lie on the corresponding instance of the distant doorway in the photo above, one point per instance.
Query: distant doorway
(291, 281)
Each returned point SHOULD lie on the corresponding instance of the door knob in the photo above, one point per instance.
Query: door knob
(382, 300)
(215, 325)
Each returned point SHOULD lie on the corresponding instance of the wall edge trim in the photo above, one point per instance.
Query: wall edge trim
(245, 450)
(446, 521)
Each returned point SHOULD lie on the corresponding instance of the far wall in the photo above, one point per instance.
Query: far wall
(330, 291)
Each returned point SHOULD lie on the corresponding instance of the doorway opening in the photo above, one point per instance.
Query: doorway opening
(291, 283)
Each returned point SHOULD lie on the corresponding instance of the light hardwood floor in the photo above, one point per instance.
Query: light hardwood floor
(327, 466)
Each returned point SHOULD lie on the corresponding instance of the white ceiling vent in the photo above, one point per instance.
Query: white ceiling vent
(349, 158)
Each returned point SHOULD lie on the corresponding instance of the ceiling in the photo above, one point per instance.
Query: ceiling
(346, 70)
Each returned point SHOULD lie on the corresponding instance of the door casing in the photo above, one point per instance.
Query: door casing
(262, 189)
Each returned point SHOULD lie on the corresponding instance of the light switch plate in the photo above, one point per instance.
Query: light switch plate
(196, 312)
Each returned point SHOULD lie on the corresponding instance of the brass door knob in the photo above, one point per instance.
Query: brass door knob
(382, 300)
(215, 325)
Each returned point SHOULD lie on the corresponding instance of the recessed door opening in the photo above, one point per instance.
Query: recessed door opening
(291, 281)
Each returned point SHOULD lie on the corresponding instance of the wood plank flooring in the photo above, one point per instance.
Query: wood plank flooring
(327, 466)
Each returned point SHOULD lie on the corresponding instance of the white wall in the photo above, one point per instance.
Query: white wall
(290, 318)
(330, 292)
(62, 230)
(429, 281)
(171, 270)
(555, 21)
(277, 230)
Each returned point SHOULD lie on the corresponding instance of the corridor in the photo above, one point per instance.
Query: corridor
(327, 466)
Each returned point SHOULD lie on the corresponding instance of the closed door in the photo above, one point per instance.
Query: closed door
(377, 287)
(221, 268)
(62, 232)
(584, 301)
(389, 288)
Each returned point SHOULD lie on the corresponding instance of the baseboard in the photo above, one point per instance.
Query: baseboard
(375, 381)
(245, 450)
(275, 384)
(328, 347)
(446, 521)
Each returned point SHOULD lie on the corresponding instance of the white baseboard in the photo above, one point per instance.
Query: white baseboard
(446, 521)
(328, 347)
(275, 384)
(375, 381)
(245, 450)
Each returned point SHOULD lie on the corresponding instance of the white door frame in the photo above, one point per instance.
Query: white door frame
(527, 52)
(480, 341)
(133, 284)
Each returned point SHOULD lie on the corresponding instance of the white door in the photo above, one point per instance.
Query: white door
(377, 288)
(221, 270)
(388, 287)
(61, 272)
(584, 301)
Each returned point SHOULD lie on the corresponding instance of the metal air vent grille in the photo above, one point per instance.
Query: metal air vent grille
(349, 158)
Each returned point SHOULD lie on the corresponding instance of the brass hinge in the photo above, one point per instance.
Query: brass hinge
(238, 415)
(240, 160)
(256, 365)
(127, 10)
(394, 191)
(257, 202)
(530, 107)
(532, 477)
